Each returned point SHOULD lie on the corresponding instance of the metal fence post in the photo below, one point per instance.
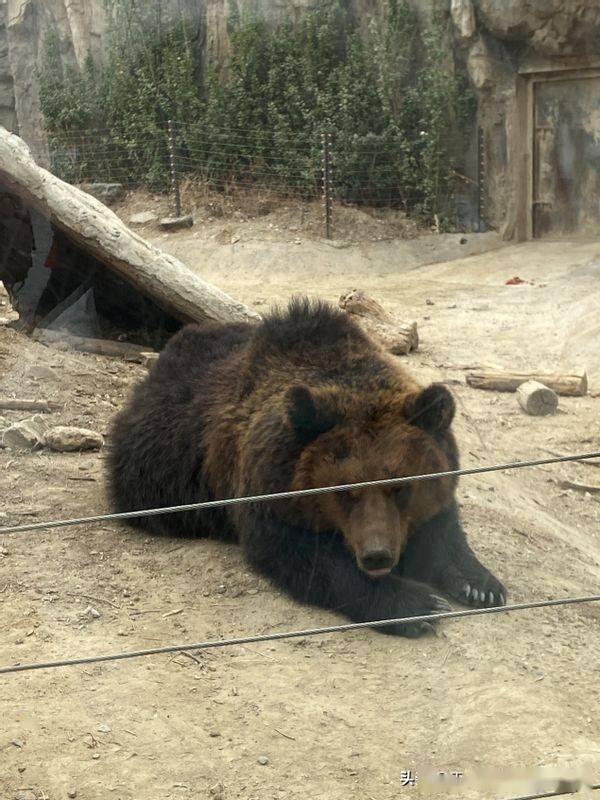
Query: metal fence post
(480, 180)
(327, 170)
(173, 167)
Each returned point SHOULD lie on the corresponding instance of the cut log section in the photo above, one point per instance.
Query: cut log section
(100, 233)
(566, 385)
(397, 336)
(536, 399)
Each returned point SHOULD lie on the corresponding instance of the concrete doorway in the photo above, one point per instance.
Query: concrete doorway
(566, 157)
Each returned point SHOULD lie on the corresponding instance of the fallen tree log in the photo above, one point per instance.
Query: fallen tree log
(101, 234)
(395, 335)
(15, 404)
(567, 385)
(101, 347)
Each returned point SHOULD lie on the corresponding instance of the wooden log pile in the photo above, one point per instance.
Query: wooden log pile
(397, 336)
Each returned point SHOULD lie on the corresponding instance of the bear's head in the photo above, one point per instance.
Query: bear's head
(344, 440)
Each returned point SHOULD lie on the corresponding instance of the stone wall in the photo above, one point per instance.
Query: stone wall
(8, 116)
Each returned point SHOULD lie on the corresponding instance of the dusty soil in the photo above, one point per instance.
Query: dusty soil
(268, 217)
(341, 716)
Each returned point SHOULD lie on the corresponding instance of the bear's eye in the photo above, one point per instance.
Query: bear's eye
(348, 499)
(340, 451)
(401, 494)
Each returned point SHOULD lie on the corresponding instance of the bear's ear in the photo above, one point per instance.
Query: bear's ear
(308, 414)
(431, 409)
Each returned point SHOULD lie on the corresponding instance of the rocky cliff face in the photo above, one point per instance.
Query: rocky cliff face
(8, 117)
(24, 24)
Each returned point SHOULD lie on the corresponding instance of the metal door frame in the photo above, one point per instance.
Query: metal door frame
(524, 162)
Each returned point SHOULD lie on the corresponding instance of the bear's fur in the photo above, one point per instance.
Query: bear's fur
(305, 399)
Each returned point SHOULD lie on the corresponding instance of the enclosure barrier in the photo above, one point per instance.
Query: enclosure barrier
(270, 637)
(230, 162)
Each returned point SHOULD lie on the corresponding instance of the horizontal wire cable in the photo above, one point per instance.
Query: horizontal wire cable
(594, 787)
(261, 498)
(211, 644)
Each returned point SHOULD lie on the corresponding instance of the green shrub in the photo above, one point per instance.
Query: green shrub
(389, 96)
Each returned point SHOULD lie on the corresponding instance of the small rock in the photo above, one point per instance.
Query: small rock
(235, 239)
(143, 218)
(21, 769)
(429, 302)
(41, 373)
(263, 760)
(72, 793)
(28, 434)
(175, 223)
(67, 439)
(264, 208)
(148, 359)
(463, 240)
(221, 589)
(25, 795)
(214, 734)
(216, 209)
(3, 552)
(103, 728)
(337, 243)
(90, 612)
(217, 791)
(18, 743)
(107, 193)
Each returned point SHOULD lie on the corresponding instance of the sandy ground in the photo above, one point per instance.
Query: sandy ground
(336, 717)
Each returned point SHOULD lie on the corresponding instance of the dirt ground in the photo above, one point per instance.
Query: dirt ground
(332, 717)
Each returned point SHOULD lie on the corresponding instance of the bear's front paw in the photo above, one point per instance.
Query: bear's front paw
(420, 602)
(475, 586)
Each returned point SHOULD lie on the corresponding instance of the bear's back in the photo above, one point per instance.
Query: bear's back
(311, 341)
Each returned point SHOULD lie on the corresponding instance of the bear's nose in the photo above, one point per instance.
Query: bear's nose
(378, 560)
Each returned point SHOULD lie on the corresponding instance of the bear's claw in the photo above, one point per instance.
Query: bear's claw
(473, 585)
(432, 604)
(482, 599)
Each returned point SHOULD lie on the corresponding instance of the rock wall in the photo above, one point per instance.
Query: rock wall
(496, 41)
(8, 116)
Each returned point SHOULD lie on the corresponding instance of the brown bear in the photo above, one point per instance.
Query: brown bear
(302, 400)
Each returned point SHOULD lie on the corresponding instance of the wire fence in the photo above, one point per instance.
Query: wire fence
(560, 793)
(212, 504)
(326, 171)
(273, 637)
(198, 647)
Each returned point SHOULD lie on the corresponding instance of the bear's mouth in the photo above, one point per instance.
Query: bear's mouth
(377, 562)
(378, 573)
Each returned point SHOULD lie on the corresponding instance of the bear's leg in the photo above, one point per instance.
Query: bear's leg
(438, 554)
(317, 569)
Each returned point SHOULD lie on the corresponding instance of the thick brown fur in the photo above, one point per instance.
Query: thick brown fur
(304, 399)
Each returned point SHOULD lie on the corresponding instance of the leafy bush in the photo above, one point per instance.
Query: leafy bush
(389, 96)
